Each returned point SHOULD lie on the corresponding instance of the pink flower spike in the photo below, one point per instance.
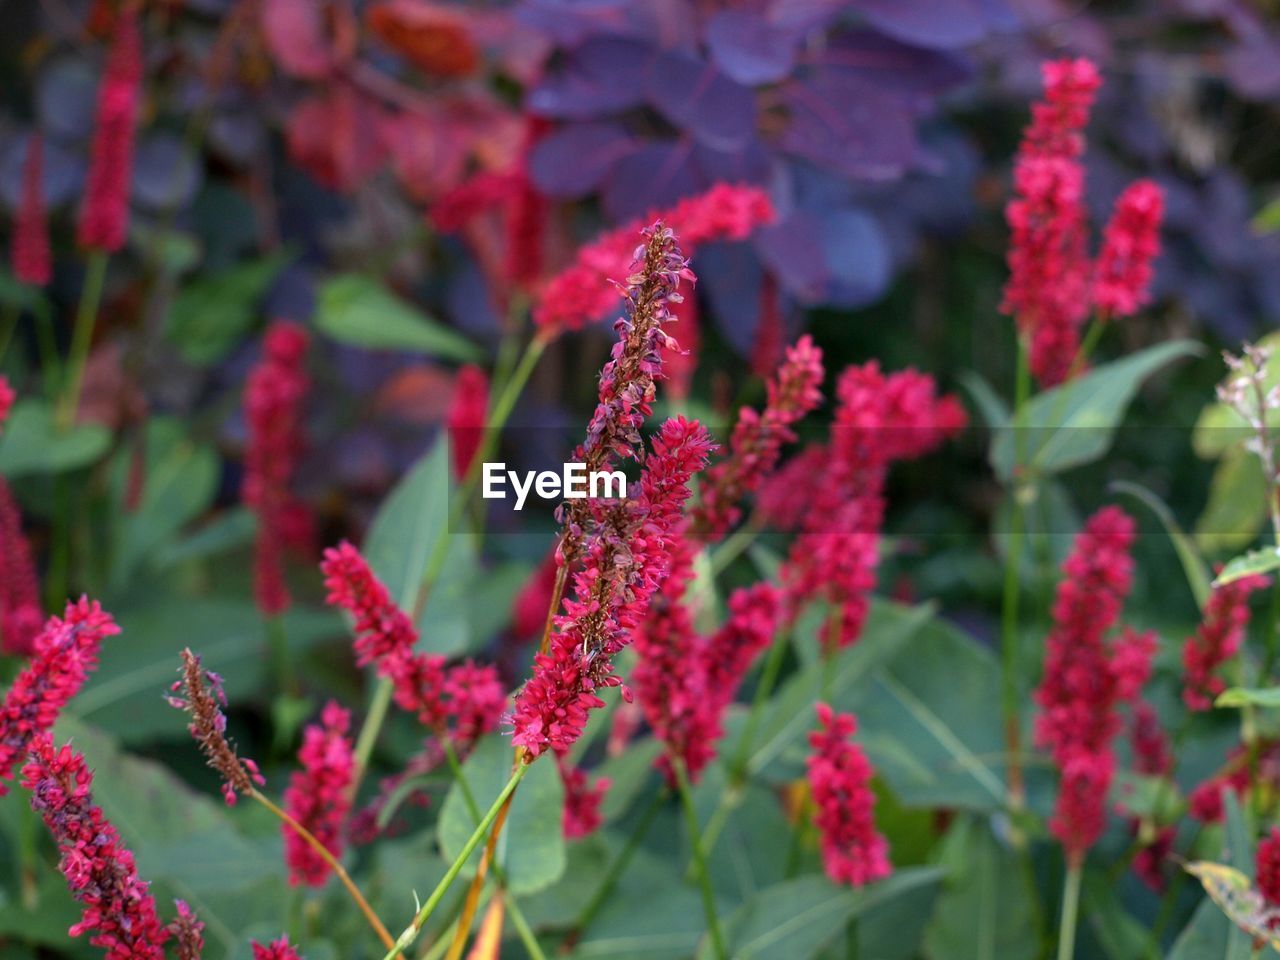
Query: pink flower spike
(275, 950)
(853, 851)
(187, 932)
(30, 256)
(7, 397)
(273, 402)
(1268, 867)
(118, 909)
(585, 292)
(582, 800)
(66, 652)
(1130, 245)
(21, 614)
(383, 631)
(318, 795)
(467, 417)
(1216, 641)
(104, 213)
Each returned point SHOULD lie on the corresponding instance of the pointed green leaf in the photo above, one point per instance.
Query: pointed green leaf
(1075, 423)
(1193, 565)
(356, 309)
(1237, 509)
(211, 315)
(32, 442)
(1263, 560)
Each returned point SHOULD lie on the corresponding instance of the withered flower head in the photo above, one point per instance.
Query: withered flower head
(204, 700)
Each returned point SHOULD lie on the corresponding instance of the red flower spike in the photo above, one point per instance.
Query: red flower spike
(104, 214)
(584, 292)
(275, 950)
(758, 438)
(582, 800)
(273, 404)
(1048, 287)
(1268, 867)
(66, 652)
(1130, 245)
(21, 614)
(318, 795)
(1216, 641)
(854, 852)
(119, 911)
(30, 255)
(467, 417)
(1085, 681)
(187, 932)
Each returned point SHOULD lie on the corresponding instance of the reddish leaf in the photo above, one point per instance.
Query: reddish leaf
(434, 38)
(334, 137)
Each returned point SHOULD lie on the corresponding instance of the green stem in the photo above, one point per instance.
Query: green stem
(369, 730)
(768, 677)
(615, 871)
(82, 337)
(704, 875)
(513, 909)
(47, 345)
(279, 644)
(424, 913)
(733, 547)
(1070, 913)
(1009, 640)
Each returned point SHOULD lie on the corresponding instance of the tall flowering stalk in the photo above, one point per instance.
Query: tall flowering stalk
(187, 933)
(466, 695)
(625, 560)
(1130, 244)
(273, 400)
(119, 911)
(880, 419)
(104, 214)
(758, 439)
(65, 653)
(198, 692)
(585, 291)
(1049, 267)
(582, 800)
(1084, 682)
(318, 795)
(30, 254)
(854, 852)
(21, 615)
(1217, 640)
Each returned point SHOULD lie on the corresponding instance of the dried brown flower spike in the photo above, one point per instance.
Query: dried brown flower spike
(204, 702)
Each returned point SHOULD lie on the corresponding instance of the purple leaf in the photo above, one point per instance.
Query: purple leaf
(702, 101)
(730, 276)
(891, 66)
(65, 96)
(849, 127)
(605, 75)
(792, 248)
(749, 48)
(165, 177)
(656, 175)
(804, 16)
(857, 255)
(574, 160)
(927, 23)
(750, 164)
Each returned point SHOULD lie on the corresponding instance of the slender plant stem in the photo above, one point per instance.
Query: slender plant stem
(615, 871)
(47, 345)
(704, 875)
(1009, 639)
(513, 909)
(733, 547)
(323, 852)
(768, 678)
(82, 337)
(1070, 913)
(424, 913)
(497, 419)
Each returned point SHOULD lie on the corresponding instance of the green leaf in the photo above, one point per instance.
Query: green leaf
(125, 694)
(983, 912)
(1237, 507)
(628, 772)
(795, 919)
(1267, 220)
(1263, 560)
(356, 309)
(995, 412)
(229, 530)
(211, 315)
(1075, 423)
(926, 721)
(1193, 565)
(532, 848)
(1268, 697)
(790, 713)
(409, 527)
(1118, 932)
(1207, 936)
(32, 443)
(179, 483)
